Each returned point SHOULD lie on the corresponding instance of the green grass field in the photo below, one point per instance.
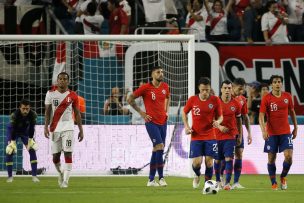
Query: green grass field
(133, 189)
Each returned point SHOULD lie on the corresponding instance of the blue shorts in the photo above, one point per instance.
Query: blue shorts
(241, 146)
(23, 137)
(225, 148)
(157, 133)
(278, 143)
(203, 148)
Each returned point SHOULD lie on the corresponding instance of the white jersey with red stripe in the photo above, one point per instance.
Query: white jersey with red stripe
(56, 99)
(268, 22)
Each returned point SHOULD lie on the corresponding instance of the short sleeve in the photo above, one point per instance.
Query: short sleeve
(263, 105)
(188, 105)
(48, 100)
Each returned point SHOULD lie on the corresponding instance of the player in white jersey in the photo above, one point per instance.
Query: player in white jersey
(91, 22)
(59, 106)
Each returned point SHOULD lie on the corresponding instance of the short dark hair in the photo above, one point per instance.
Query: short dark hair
(275, 77)
(155, 68)
(91, 8)
(204, 81)
(63, 73)
(114, 2)
(269, 3)
(239, 81)
(263, 85)
(227, 82)
(24, 102)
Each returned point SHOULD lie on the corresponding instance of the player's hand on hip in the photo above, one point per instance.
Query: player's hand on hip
(249, 139)
(294, 133)
(145, 116)
(80, 136)
(265, 135)
(189, 131)
(46, 132)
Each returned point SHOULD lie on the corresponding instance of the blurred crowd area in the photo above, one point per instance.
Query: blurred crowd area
(210, 20)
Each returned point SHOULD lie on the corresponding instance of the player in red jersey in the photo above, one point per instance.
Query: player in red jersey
(238, 89)
(156, 96)
(228, 133)
(60, 103)
(276, 105)
(206, 114)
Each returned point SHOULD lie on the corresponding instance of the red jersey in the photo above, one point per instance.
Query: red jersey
(154, 100)
(203, 114)
(276, 110)
(231, 111)
(118, 18)
(243, 101)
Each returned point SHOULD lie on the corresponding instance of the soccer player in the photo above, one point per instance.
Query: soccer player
(59, 104)
(156, 96)
(22, 124)
(276, 105)
(206, 114)
(228, 133)
(238, 88)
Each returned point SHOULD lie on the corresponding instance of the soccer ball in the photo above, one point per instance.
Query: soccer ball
(211, 187)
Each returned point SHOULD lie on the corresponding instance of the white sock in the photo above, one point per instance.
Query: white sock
(58, 167)
(67, 171)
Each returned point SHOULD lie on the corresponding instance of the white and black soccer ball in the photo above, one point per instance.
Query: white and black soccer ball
(211, 187)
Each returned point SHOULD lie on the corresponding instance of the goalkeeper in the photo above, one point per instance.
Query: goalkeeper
(22, 124)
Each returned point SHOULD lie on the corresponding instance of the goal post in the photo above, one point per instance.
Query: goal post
(96, 64)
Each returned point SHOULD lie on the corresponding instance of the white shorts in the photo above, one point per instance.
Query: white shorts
(62, 141)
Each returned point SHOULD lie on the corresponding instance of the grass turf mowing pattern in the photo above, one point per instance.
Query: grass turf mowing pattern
(133, 189)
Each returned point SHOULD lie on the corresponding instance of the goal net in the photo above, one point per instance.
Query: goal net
(102, 69)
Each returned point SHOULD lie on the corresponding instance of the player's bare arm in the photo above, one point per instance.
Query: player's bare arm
(216, 123)
(131, 101)
(79, 123)
(239, 126)
(223, 129)
(292, 114)
(186, 124)
(247, 125)
(167, 104)
(47, 117)
(262, 126)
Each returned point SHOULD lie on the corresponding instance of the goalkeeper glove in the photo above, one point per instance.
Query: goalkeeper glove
(11, 147)
(32, 144)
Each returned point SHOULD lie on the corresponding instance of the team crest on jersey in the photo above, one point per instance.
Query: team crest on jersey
(164, 91)
(210, 106)
(232, 108)
(286, 101)
(242, 102)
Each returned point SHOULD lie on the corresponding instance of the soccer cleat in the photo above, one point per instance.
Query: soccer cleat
(237, 186)
(220, 185)
(9, 179)
(196, 182)
(60, 179)
(274, 186)
(162, 182)
(283, 183)
(152, 183)
(35, 179)
(227, 187)
(64, 184)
